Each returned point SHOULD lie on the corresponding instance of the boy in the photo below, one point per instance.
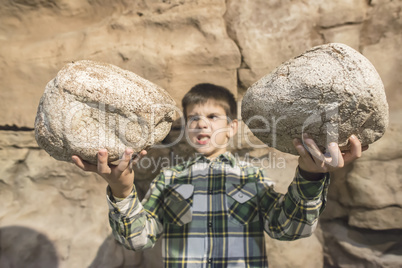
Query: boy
(213, 210)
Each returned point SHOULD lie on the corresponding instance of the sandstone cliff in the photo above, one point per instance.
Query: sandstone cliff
(54, 215)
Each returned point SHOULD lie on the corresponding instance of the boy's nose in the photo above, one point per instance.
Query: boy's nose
(202, 123)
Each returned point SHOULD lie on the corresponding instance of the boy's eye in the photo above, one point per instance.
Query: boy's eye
(213, 117)
(193, 118)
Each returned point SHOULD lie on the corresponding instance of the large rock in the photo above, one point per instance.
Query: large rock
(388, 218)
(330, 92)
(269, 32)
(91, 105)
(368, 194)
(301, 253)
(174, 44)
(361, 248)
(341, 12)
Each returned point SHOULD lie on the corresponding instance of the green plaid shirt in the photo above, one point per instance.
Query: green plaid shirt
(214, 213)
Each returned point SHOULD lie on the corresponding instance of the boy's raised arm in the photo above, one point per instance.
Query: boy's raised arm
(295, 214)
(133, 226)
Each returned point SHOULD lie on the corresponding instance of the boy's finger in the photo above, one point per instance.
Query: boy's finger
(314, 151)
(355, 146)
(82, 164)
(125, 161)
(300, 148)
(336, 159)
(138, 156)
(103, 167)
(355, 150)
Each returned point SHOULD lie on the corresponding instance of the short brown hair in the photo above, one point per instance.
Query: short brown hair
(201, 93)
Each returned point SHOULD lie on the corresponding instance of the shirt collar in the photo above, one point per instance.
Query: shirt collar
(226, 157)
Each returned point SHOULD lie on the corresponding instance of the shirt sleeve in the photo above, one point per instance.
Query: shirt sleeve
(137, 225)
(295, 214)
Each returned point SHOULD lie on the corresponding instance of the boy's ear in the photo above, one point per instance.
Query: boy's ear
(233, 127)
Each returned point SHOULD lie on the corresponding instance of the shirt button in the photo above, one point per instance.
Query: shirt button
(210, 191)
(209, 261)
(240, 195)
(210, 224)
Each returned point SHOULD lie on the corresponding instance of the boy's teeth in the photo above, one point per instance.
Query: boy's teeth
(203, 138)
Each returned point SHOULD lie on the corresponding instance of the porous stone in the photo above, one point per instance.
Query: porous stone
(330, 92)
(389, 218)
(91, 105)
(361, 248)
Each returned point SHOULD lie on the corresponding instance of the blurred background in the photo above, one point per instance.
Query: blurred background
(54, 215)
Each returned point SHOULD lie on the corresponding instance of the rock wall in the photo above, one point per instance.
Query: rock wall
(54, 215)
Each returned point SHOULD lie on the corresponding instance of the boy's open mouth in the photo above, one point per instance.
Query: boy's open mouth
(203, 139)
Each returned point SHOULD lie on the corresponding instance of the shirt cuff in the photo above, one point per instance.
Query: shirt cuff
(123, 206)
(309, 190)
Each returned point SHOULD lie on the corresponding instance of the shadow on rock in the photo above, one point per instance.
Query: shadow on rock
(25, 247)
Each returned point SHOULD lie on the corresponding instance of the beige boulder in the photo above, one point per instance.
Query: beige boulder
(330, 92)
(341, 12)
(369, 192)
(301, 253)
(387, 218)
(91, 105)
(361, 248)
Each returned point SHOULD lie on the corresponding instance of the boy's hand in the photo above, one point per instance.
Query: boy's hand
(314, 161)
(119, 177)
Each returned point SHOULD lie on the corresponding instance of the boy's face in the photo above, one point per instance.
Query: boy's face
(209, 129)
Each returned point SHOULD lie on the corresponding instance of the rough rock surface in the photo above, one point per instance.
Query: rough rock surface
(175, 44)
(363, 220)
(330, 92)
(361, 248)
(91, 105)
